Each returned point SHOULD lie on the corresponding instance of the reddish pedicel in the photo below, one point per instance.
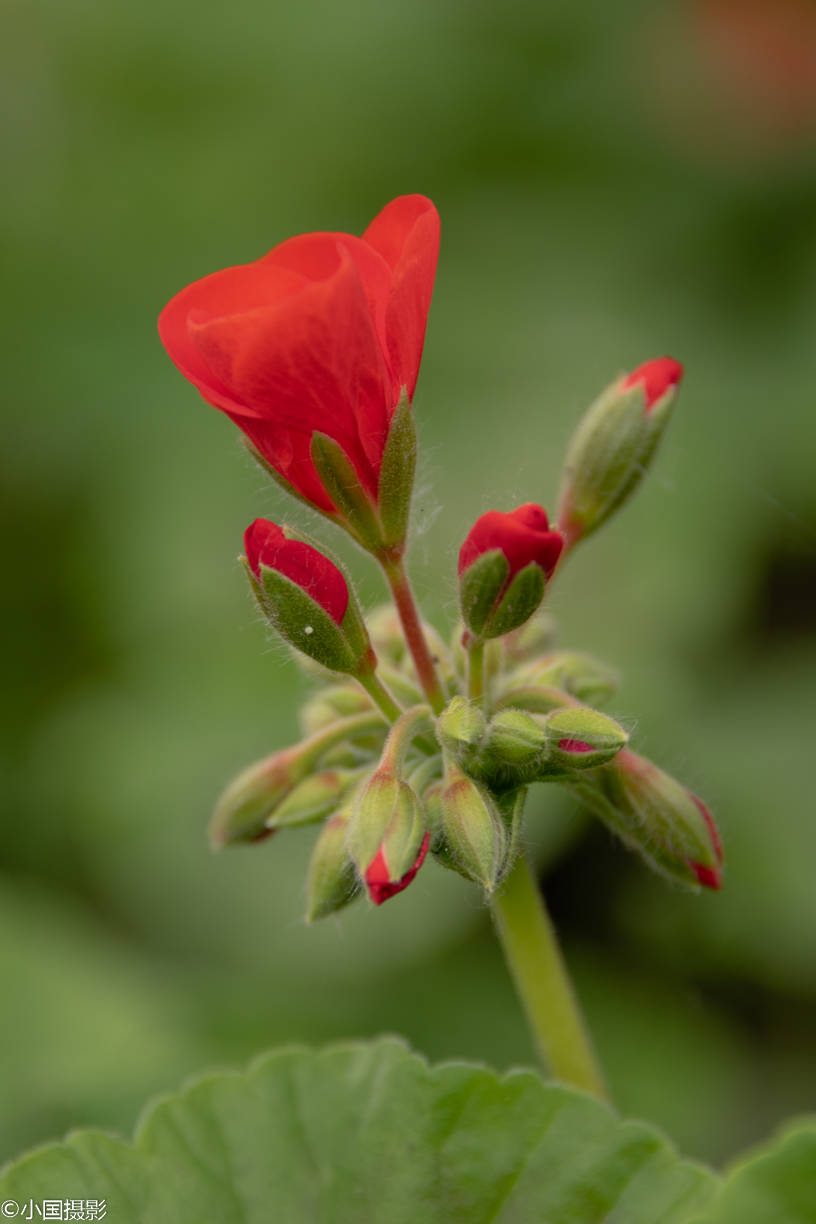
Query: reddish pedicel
(378, 879)
(319, 577)
(523, 535)
(657, 376)
(319, 335)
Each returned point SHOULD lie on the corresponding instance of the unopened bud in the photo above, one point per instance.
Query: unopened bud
(459, 729)
(330, 703)
(504, 565)
(307, 597)
(387, 836)
(581, 738)
(614, 445)
(313, 799)
(514, 744)
(331, 882)
(473, 829)
(580, 675)
(658, 817)
(245, 805)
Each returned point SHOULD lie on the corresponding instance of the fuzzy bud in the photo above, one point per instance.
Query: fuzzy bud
(331, 882)
(387, 837)
(473, 829)
(581, 738)
(614, 445)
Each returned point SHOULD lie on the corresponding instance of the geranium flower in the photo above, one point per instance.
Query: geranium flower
(321, 335)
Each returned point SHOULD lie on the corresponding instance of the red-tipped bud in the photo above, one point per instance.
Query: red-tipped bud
(267, 545)
(504, 564)
(614, 444)
(711, 876)
(379, 878)
(307, 597)
(656, 377)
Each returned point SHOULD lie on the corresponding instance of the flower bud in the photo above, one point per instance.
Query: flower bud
(459, 729)
(244, 806)
(307, 598)
(330, 703)
(514, 745)
(313, 799)
(473, 829)
(658, 817)
(387, 836)
(504, 564)
(614, 445)
(331, 882)
(581, 738)
(587, 679)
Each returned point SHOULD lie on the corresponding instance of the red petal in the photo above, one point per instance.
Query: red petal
(406, 234)
(309, 362)
(523, 536)
(657, 377)
(378, 878)
(230, 291)
(709, 877)
(315, 574)
(574, 745)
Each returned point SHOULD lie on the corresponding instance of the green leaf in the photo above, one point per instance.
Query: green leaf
(367, 1133)
(774, 1186)
(397, 474)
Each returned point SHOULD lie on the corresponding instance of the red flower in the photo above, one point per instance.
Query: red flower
(319, 577)
(378, 876)
(321, 334)
(657, 377)
(523, 535)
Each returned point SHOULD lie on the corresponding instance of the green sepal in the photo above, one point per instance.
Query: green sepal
(397, 475)
(245, 804)
(314, 798)
(342, 483)
(284, 484)
(510, 806)
(518, 603)
(459, 730)
(480, 586)
(302, 622)
(353, 624)
(386, 811)
(513, 747)
(580, 675)
(473, 829)
(331, 880)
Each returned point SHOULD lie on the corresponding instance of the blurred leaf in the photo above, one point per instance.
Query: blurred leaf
(776, 1185)
(370, 1132)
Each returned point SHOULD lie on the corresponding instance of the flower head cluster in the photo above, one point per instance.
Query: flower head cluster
(410, 744)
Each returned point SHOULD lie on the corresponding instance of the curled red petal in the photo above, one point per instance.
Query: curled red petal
(575, 745)
(266, 545)
(378, 877)
(709, 877)
(523, 536)
(406, 235)
(657, 376)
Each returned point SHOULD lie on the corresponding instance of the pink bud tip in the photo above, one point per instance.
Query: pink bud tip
(657, 376)
(709, 877)
(712, 828)
(574, 745)
(378, 877)
(266, 544)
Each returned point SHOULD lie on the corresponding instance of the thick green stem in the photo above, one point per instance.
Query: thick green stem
(540, 975)
(403, 595)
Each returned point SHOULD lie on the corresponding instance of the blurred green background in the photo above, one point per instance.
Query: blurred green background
(615, 181)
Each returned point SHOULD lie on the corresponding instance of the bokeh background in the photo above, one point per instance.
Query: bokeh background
(615, 181)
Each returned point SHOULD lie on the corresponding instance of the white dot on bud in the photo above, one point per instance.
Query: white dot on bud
(308, 630)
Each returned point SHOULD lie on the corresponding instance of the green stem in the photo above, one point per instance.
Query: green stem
(476, 671)
(403, 595)
(531, 950)
(379, 694)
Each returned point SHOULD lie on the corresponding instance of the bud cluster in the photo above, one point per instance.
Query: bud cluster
(410, 744)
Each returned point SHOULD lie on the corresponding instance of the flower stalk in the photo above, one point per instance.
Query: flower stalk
(405, 603)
